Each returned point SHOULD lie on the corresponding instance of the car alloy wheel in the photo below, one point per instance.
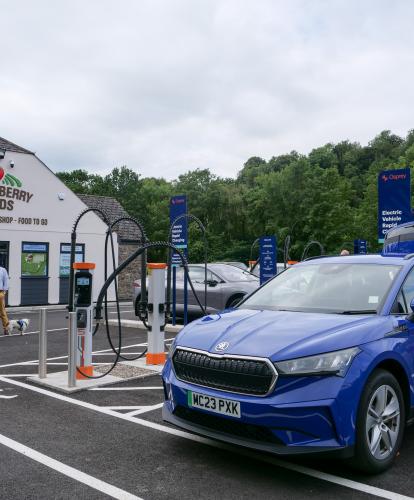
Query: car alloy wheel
(380, 423)
(383, 422)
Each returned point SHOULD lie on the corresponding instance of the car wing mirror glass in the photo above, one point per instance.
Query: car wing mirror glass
(410, 316)
(212, 282)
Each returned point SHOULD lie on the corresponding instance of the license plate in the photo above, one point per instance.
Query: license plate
(216, 405)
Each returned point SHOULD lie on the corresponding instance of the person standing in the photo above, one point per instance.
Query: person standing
(4, 287)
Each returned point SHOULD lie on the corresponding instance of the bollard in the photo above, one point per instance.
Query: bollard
(72, 350)
(42, 344)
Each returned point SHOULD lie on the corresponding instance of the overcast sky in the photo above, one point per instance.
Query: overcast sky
(169, 86)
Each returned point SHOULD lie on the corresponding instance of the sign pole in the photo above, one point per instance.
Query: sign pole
(174, 297)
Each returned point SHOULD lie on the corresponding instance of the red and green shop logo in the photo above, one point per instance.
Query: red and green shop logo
(9, 179)
(10, 191)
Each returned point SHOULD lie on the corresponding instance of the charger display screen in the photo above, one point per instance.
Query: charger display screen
(83, 289)
(83, 282)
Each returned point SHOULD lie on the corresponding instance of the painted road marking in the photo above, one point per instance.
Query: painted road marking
(112, 353)
(63, 357)
(124, 407)
(347, 483)
(32, 333)
(66, 470)
(7, 397)
(145, 409)
(120, 388)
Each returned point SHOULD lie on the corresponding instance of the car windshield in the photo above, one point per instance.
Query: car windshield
(231, 273)
(347, 288)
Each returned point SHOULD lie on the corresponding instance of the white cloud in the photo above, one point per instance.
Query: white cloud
(167, 86)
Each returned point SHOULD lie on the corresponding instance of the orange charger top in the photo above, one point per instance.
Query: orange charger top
(84, 265)
(155, 265)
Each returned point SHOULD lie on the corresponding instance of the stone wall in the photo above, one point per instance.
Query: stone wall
(131, 273)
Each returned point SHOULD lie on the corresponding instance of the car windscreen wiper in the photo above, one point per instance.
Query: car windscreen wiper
(360, 311)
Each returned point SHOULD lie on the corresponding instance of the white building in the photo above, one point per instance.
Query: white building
(37, 213)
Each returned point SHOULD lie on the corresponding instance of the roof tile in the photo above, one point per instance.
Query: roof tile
(114, 210)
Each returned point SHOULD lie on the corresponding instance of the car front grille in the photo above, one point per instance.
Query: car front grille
(227, 426)
(242, 375)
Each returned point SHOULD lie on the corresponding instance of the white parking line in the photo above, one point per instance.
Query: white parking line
(35, 332)
(145, 409)
(341, 481)
(66, 470)
(124, 407)
(22, 363)
(112, 353)
(120, 388)
(11, 397)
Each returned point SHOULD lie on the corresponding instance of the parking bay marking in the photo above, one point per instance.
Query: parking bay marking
(146, 409)
(122, 388)
(135, 410)
(7, 397)
(341, 481)
(21, 363)
(68, 471)
(31, 333)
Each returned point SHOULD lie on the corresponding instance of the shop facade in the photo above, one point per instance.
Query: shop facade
(37, 213)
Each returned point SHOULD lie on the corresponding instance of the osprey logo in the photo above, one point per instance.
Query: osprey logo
(221, 347)
(393, 177)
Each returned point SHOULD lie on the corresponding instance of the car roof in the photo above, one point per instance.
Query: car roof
(360, 259)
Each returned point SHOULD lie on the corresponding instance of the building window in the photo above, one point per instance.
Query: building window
(35, 260)
(64, 261)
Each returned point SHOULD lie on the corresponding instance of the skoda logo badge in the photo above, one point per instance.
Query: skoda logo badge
(222, 346)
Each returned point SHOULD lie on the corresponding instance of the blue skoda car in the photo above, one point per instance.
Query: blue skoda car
(318, 360)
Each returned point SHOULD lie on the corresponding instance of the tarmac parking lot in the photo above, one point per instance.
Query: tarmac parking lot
(111, 442)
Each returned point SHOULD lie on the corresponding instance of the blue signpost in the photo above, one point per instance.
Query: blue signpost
(179, 238)
(178, 206)
(394, 200)
(360, 247)
(268, 257)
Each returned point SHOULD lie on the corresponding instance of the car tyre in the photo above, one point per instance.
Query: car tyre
(380, 423)
(233, 301)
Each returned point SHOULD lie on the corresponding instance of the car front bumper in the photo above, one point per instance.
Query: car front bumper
(275, 423)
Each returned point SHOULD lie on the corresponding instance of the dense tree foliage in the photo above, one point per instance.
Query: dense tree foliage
(329, 195)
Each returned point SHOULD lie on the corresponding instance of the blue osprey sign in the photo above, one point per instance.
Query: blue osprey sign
(394, 200)
(268, 258)
(178, 206)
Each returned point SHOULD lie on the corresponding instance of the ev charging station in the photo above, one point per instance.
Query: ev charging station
(85, 317)
(83, 309)
(156, 314)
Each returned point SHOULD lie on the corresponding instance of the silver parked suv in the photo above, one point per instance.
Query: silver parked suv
(226, 286)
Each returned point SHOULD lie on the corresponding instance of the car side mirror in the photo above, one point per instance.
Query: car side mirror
(212, 282)
(410, 316)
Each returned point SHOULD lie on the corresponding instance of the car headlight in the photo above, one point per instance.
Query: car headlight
(170, 349)
(331, 363)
